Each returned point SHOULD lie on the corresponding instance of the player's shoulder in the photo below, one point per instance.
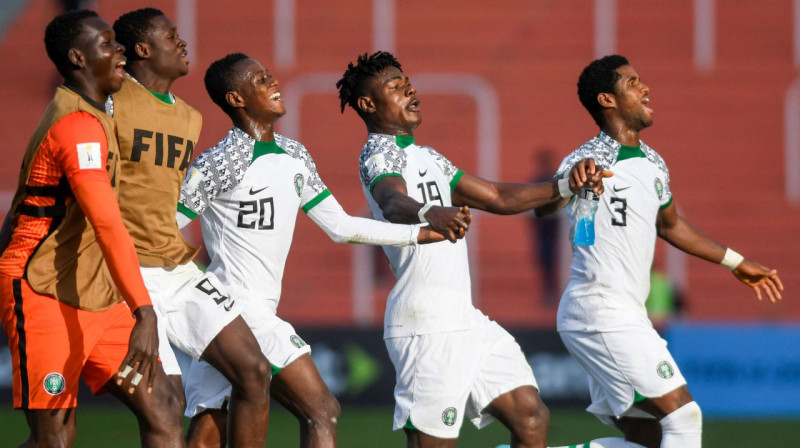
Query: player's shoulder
(377, 144)
(234, 149)
(77, 124)
(653, 156)
(293, 148)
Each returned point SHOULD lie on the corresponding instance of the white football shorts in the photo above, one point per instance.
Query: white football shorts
(193, 305)
(206, 388)
(623, 365)
(442, 377)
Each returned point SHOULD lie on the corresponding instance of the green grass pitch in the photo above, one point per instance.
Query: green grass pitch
(103, 426)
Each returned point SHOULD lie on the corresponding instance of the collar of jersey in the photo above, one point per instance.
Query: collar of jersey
(167, 98)
(404, 141)
(629, 152)
(270, 147)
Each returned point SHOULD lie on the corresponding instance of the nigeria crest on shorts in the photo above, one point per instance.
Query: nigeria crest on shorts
(296, 341)
(665, 370)
(54, 383)
(449, 416)
(299, 183)
(659, 186)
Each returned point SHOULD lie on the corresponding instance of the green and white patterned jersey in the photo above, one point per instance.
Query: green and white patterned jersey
(247, 194)
(433, 292)
(610, 280)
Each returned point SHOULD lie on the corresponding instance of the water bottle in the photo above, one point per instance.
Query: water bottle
(585, 207)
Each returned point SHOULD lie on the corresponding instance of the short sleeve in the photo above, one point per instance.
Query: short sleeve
(381, 158)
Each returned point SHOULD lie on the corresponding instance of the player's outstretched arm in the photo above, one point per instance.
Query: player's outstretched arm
(681, 234)
(392, 197)
(510, 198)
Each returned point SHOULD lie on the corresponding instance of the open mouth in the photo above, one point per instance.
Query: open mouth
(413, 105)
(646, 103)
(120, 68)
(184, 53)
(275, 96)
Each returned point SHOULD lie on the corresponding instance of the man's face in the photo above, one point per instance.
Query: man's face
(262, 99)
(167, 49)
(395, 102)
(633, 97)
(103, 56)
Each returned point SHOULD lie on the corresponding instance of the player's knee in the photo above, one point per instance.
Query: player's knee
(326, 415)
(683, 427)
(254, 377)
(532, 419)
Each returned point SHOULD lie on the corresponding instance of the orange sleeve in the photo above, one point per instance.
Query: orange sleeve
(81, 147)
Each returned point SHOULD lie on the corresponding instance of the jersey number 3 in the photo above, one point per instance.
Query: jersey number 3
(259, 207)
(621, 209)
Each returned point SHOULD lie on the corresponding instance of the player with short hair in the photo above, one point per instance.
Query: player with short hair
(451, 359)
(634, 382)
(70, 262)
(247, 191)
(157, 132)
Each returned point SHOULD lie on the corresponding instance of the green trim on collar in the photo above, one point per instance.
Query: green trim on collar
(313, 203)
(372, 185)
(186, 211)
(667, 204)
(164, 97)
(404, 141)
(629, 152)
(270, 147)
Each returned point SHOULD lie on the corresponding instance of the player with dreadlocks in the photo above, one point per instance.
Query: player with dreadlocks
(451, 359)
(246, 191)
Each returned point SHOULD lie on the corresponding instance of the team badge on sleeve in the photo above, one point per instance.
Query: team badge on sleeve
(89, 155)
(299, 183)
(659, 186)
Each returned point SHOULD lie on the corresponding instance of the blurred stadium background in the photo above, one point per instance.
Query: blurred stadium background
(497, 85)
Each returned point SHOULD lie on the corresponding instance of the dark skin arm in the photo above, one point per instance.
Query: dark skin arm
(581, 173)
(680, 233)
(392, 197)
(511, 198)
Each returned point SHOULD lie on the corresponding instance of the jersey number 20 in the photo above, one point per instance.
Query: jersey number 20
(247, 208)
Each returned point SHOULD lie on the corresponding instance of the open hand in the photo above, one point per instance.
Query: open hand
(760, 278)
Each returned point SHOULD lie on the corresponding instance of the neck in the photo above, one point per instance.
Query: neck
(87, 89)
(262, 132)
(387, 129)
(150, 80)
(622, 134)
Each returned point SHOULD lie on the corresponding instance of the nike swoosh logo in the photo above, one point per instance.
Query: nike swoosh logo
(229, 306)
(423, 173)
(617, 190)
(252, 191)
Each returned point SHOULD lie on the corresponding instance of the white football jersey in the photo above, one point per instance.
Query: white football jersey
(247, 194)
(433, 292)
(610, 280)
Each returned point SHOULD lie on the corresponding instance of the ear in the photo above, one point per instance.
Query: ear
(607, 100)
(366, 104)
(76, 57)
(234, 99)
(142, 50)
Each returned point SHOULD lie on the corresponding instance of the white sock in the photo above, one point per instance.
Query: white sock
(683, 428)
(606, 442)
